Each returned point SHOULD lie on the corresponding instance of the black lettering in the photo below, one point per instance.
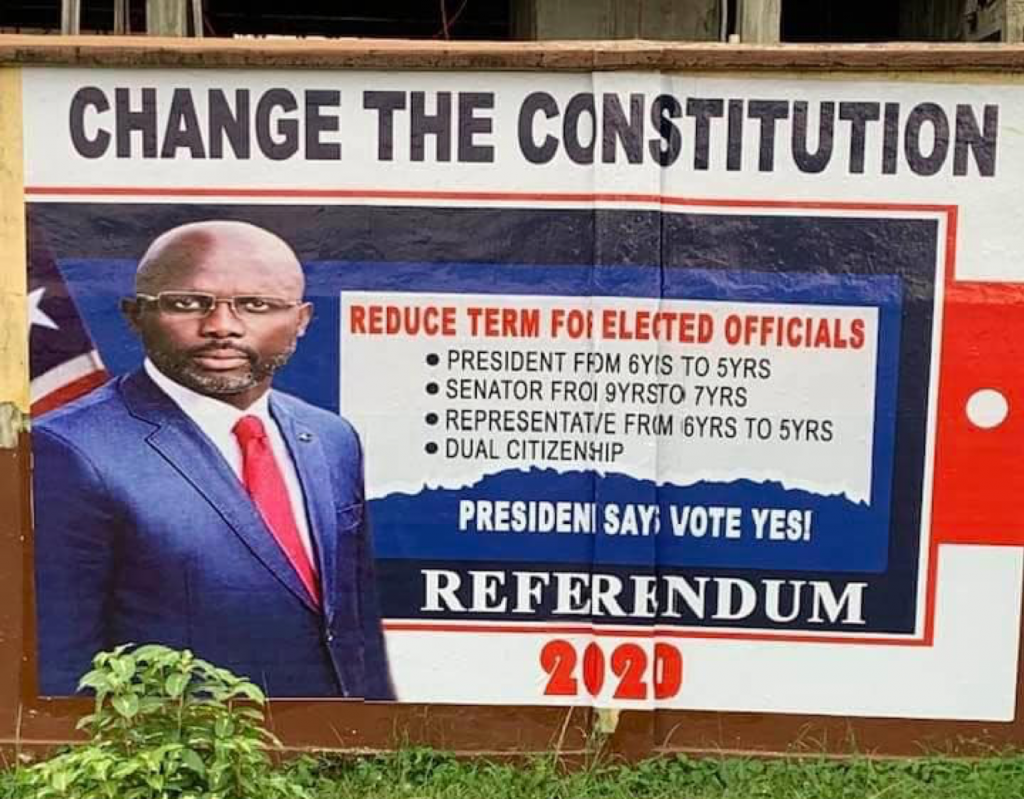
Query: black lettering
(768, 112)
(286, 142)
(805, 160)
(182, 128)
(385, 104)
(470, 125)
(533, 152)
(438, 125)
(317, 123)
(229, 124)
(734, 137)
(970, 139)
(85, 98)
(921, 164)
(702, 111)
(615, 128)
(858, 115)
(890, 138)
(579, 105)
(665, 149)
(129, 121)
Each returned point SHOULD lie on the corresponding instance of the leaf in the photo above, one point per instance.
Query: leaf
(250, 691)
(149, 651)
(150, 704)
(223, 727)
(192, 760)
(95, 679)
(123, 667)
(127, 705)
(61, 780)
(125, 769)
(176, 684)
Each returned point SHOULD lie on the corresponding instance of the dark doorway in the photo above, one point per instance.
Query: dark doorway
(840, 21)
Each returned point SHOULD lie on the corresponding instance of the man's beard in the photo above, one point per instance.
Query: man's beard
(180, 367)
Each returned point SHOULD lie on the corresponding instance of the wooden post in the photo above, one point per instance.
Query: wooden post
(120, 17)
(197, 18)
(759, 21)
(1013, 27)
(166, 18)
(70, 17)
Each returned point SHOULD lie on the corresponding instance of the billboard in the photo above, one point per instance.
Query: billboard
(636, 390)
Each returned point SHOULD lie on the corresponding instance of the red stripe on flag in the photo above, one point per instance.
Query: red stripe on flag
(69, 391)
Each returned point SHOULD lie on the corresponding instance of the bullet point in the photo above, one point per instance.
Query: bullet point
(431, 448)
(431, 418)
(432, 359)
(431, 388)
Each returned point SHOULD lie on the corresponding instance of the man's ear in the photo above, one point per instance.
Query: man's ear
(131, 308)
(305, 317)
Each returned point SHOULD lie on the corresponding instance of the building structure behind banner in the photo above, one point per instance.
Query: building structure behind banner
(751, 21)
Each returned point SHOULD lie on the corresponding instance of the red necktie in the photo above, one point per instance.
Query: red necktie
(265, 484)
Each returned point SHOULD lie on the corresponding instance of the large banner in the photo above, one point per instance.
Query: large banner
(628, 389)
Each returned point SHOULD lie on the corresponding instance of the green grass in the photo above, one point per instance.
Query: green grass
(424, 774)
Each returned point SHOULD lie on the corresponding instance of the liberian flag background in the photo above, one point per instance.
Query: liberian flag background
(63, 360)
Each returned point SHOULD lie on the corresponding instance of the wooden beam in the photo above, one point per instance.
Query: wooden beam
(952, 61)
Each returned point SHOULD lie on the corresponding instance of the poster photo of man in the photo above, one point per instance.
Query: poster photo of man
(189, 503)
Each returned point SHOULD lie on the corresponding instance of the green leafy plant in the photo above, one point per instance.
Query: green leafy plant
(166, 725)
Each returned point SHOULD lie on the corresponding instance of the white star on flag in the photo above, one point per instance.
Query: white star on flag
(36, 315)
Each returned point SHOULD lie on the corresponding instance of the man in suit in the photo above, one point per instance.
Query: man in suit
(189, 504)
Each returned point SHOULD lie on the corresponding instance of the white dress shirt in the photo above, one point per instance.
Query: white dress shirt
(217, 420)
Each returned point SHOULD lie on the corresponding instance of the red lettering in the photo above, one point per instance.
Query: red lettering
(396, 320)
(593, 669)
(638, 677)
(668, 671)
(823, 337)
(357, 319)
(558, 660)
(857, 334)
(629, 662)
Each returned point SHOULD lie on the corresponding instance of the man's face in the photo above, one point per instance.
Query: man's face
(228, 354)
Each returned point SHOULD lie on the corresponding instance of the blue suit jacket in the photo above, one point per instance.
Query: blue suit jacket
(143, 533)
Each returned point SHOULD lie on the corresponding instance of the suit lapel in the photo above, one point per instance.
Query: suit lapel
(315, 476)
(185, 447)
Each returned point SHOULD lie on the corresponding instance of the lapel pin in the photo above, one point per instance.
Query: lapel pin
(305, 437)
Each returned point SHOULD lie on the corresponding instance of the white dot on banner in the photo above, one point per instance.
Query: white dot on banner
(987, 408)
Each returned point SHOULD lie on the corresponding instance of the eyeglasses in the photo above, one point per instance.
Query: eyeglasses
(200, 304)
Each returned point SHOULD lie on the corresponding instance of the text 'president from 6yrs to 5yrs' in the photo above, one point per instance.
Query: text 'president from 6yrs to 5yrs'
(795, 329)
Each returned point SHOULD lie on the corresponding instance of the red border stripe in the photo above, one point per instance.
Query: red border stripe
(402, 194)
(602, 632)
